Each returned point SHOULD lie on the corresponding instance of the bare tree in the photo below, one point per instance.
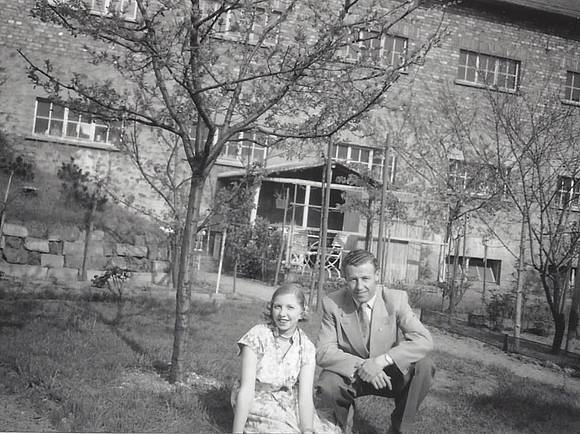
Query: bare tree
(206, 71)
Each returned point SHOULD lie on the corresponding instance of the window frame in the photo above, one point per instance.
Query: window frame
(570, 195)
(571, 88)
(67, 120)
(240, 144)
(372, 164)
(350, 54)
(460, 169)
(477, 70)
(225, 28)
(105, 10)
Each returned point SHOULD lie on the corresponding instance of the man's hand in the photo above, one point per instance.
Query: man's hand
(370, 369)
(381, 381)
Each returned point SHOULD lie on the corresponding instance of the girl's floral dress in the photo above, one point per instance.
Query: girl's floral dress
(275, 405)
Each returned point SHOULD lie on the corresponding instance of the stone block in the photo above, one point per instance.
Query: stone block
(163, 279)
(140, 279)
(160, 266)
(15, 256)
(34, 258)
(140, 240)
(14, 242)
(93, 261)
(55, 247)
(37, 229)
(51, 261)
(98, 235)
(70, 233)
(15, 230)
(138, 264)
(24, 271)
(117, 261)
(109, 248)
(122, 249)
(63, 274)
(78, 247)
(36, 245)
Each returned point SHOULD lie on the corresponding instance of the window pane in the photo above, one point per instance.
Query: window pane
(470, 74)
(100, 133)
(342, 152)
(259, 154)
(71, 129)
(57, 112)
(41, 126)
(365, 155)
(56, 128)
(85, 130)
(43, 109)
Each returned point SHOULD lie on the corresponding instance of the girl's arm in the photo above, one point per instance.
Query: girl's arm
(305, 399)
(247, 389)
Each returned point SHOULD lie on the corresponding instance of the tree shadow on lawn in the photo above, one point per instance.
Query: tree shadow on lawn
(218, 407)
(524, 403)
(516, 404)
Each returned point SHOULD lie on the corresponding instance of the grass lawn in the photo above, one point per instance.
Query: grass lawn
(86, 366)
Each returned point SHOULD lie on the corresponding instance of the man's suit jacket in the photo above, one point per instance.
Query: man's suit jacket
(340, 345)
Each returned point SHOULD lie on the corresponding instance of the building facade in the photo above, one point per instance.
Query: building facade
(508, 46)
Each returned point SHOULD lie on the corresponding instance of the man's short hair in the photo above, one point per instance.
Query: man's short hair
(359, 257)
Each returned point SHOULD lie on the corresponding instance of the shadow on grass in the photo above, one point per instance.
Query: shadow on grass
(531, 404)
(218, 407)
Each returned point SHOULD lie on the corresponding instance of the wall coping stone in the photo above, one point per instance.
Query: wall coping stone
(15, 230)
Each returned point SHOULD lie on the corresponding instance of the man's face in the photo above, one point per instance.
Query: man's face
(361, 281)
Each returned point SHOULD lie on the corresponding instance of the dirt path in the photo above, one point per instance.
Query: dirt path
(467, 348)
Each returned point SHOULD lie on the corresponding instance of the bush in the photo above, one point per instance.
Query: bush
(500, 307)
(537, 318)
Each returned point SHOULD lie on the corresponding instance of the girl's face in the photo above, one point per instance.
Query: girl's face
(286, 312)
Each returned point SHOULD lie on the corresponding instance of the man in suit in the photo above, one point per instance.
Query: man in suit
(360, 349)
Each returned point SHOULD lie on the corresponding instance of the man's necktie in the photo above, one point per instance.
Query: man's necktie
(365, 323)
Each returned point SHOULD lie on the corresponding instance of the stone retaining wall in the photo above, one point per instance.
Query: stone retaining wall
(59, 255)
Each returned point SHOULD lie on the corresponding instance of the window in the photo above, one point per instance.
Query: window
(250, 147)
(126, 9)
(478, 269)
(572, 88)
(475, 178)
(58, 121)
(568, 193)
(365, 159)
(485, 70)
(369, 45)
(378, 162)
(241, 22)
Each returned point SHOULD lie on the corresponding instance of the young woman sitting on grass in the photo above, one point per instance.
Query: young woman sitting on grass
(275, 394)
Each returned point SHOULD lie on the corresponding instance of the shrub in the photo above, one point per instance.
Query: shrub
(500, 307)
(114, 280)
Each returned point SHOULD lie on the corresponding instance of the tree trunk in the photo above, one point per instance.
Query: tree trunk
(573, 317)
(235, 273)
(88, 232)
(560, 323)
(183, 293)
(369, 229)
(5, 203)
(451, 308)
(520, 287)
